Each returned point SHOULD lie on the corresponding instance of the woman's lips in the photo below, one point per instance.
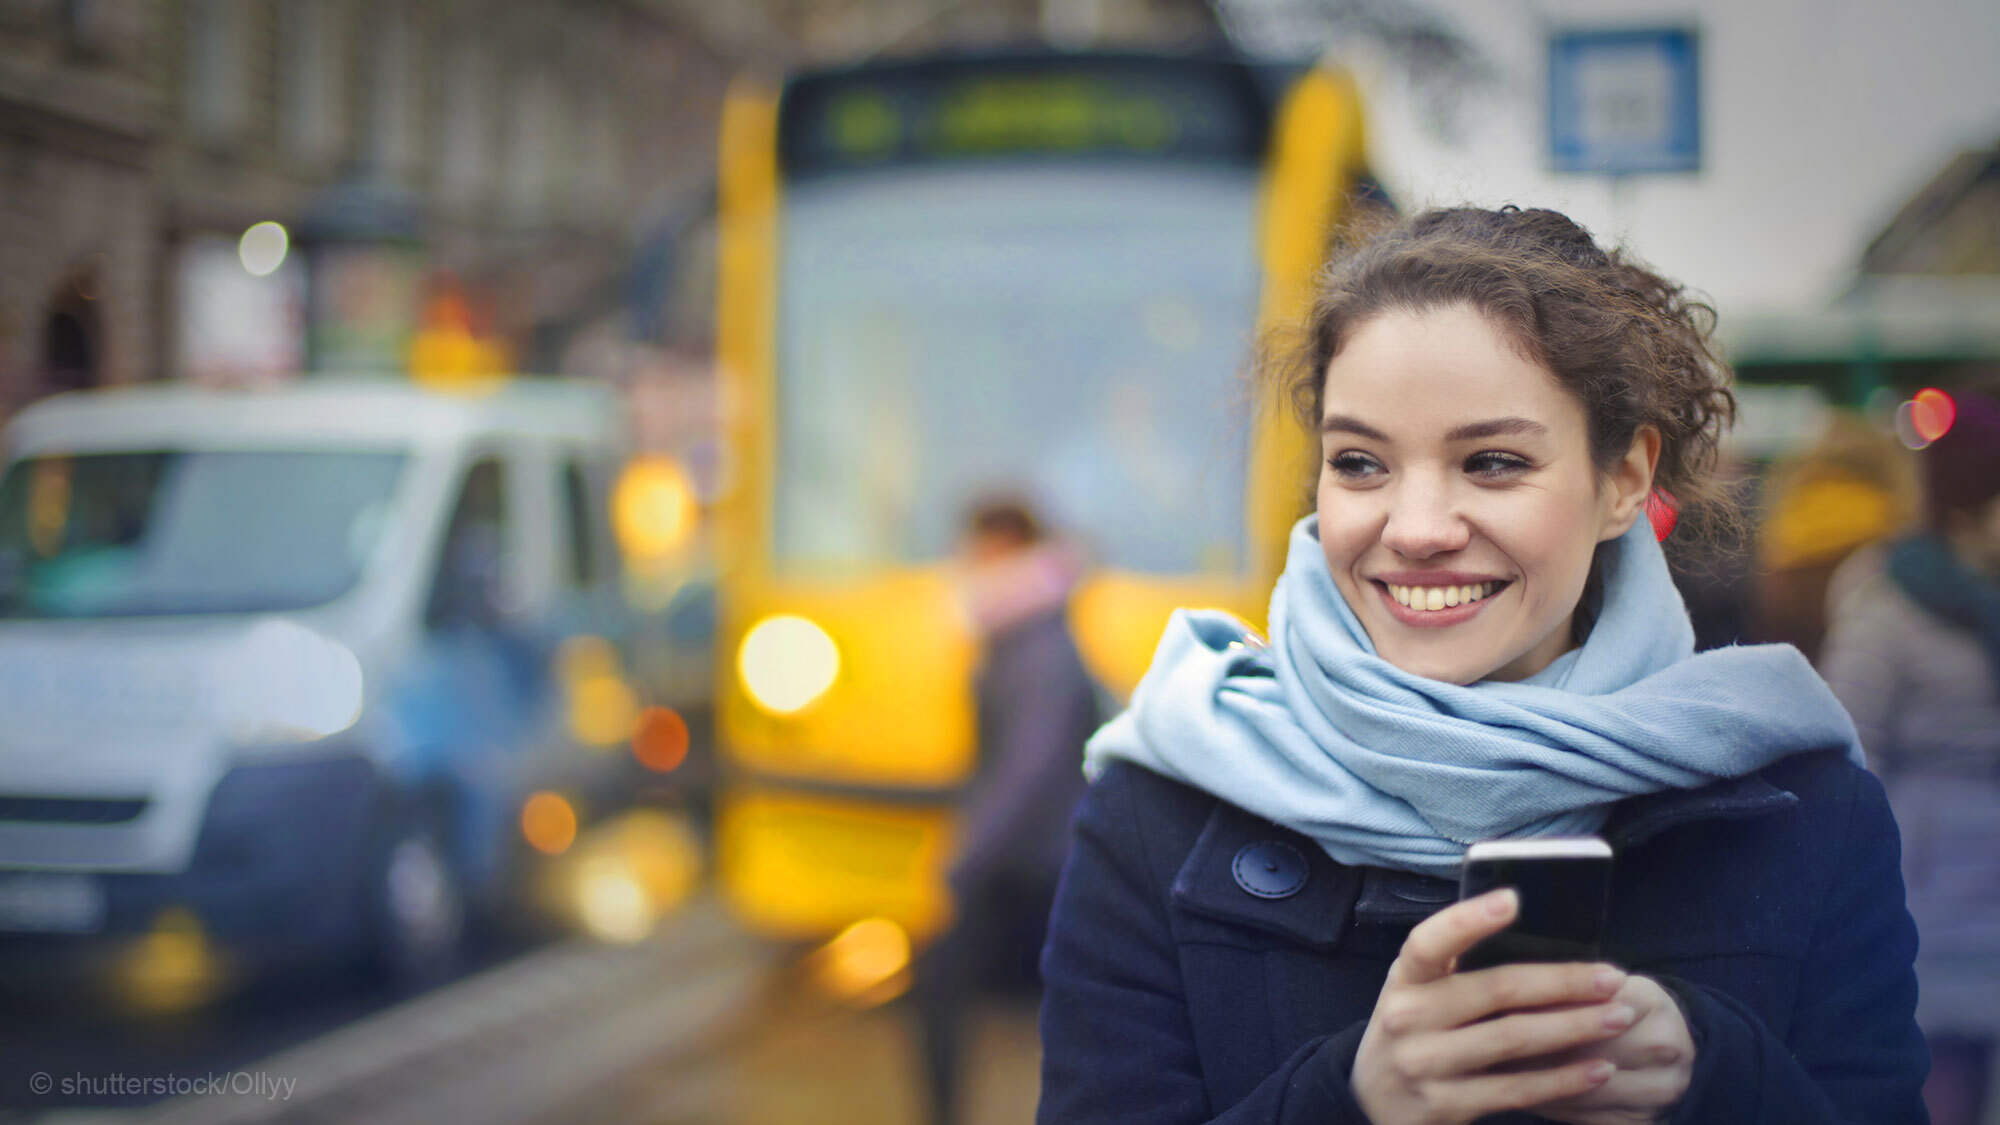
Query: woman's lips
(1480, 594)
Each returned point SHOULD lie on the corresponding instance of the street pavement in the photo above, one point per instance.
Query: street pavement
(700, 1024)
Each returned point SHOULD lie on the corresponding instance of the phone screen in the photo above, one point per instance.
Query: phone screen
(1563, 902)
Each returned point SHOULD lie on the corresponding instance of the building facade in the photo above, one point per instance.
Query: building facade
(79, 255)
(495, 158)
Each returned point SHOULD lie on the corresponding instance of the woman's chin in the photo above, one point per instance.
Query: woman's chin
(1451, 668)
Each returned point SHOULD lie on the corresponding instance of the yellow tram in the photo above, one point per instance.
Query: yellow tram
(938, 277)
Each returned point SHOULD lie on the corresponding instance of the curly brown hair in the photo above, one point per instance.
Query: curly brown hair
(1632, 347)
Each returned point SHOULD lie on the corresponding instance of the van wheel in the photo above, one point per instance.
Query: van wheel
(417, 910)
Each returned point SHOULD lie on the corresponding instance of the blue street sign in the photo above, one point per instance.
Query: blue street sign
(1625, 101)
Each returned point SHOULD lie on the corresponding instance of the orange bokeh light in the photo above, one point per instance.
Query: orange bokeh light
(1932, 412)
(549, 823)
(660, 740)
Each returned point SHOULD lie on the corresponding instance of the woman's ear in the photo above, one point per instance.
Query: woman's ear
(1629, 483)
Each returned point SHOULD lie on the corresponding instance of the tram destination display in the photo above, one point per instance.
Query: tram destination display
(1206, 110)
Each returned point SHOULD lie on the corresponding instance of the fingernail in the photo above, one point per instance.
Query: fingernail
(1600, 1071)
(1609, 981)
(1621, 1016)
(1501, 904)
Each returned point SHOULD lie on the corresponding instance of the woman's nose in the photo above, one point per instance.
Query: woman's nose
(1423, 523)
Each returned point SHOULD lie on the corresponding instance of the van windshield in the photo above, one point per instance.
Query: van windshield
(188, 532)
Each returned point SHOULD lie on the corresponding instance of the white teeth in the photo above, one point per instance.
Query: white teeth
(1440, 597)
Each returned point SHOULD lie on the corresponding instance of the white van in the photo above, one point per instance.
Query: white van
(284, 662)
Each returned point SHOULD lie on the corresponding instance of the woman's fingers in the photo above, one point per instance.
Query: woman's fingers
(1446, 1046)
(1493, 1093)
(1628, 1092)
(1523, 1035)
(1437, 941)
(1465, 997)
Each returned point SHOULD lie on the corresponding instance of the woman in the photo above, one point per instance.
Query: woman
(1914, 653)
(1475, 636)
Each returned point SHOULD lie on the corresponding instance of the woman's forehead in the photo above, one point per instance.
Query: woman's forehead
(1443, 369)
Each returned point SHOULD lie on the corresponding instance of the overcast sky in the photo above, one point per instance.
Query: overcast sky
(1819, 119)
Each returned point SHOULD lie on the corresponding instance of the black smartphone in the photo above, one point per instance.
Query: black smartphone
(1564, 883)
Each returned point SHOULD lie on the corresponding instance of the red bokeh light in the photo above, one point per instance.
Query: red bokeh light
(1931, 413)
(660, 741)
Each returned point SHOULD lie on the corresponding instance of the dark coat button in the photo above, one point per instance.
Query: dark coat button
(1270, 870)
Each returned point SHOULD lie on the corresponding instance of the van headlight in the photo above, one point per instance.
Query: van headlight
(786, 663)
(287, 683)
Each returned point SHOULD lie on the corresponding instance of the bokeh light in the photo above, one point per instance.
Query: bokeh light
(611, 902)
(1906, 426)
(632, 872)
(652, 508)
(787, 662)
(1925, 417)
(262, 248)
(171, 968)
(602, 706)
(865, 965)
(660, 741)
(1931, 413)
(548, 822)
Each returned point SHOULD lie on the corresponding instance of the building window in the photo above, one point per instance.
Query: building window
(465, 142)
(392, 96)
(600, 159)
(533, 140)
(311, 80)
(218, 81)
(103, 29)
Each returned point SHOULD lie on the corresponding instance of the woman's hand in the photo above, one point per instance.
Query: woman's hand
(1655, 1061)
(1431, 1048)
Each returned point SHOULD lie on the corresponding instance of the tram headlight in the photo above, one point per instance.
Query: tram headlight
(786, 662)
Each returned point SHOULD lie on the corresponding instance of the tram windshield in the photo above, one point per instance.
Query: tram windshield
(1068, 330)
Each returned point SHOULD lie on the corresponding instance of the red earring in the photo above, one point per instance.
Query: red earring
(1663, 512)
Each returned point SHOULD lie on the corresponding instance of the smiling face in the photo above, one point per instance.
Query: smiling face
(1459, 507)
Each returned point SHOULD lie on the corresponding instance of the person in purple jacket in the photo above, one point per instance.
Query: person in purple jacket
(1034, 705)
(1476, 637)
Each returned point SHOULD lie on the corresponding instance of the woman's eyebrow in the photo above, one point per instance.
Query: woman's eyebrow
(1347, 424)
(1498, 427)
(1471, 431)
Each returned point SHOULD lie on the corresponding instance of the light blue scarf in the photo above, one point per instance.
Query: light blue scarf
(1386, 768)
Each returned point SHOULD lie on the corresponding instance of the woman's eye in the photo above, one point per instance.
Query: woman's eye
(1354, 466)
(1495, 464)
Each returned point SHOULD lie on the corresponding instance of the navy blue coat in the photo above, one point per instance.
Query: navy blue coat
(1770, 905)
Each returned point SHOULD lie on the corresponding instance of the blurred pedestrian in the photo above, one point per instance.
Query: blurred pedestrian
(1851, 488)
(1914, 653)
(1035, 707)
